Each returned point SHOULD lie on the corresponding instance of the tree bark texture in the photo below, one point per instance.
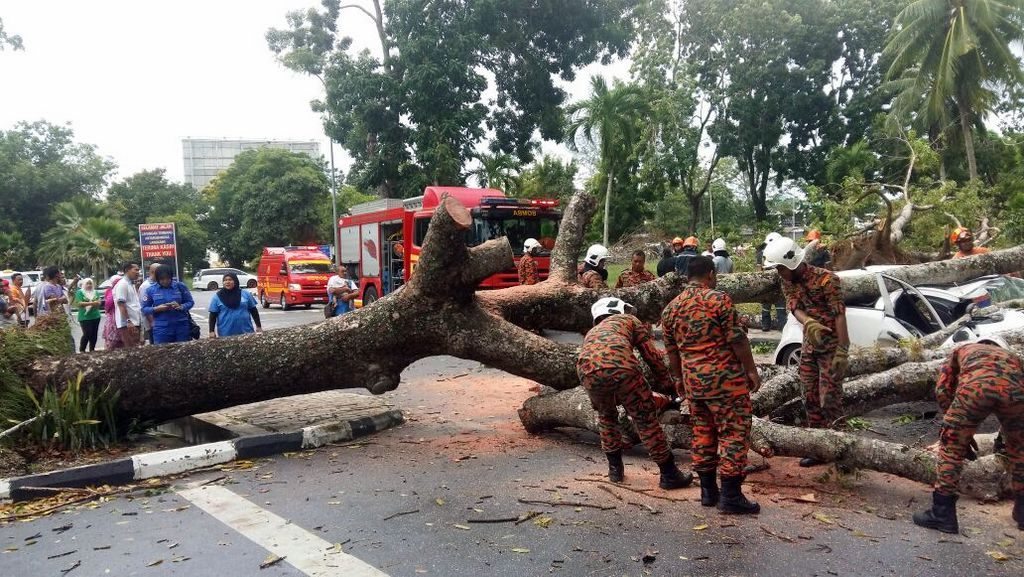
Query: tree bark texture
(985, 478)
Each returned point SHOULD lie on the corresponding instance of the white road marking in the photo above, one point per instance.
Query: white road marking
(174, 461)
(300, 548)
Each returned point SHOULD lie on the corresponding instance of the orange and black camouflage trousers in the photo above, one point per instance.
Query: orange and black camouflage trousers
(973, 403)
(721, 434)
(822, 392)
(610, 388)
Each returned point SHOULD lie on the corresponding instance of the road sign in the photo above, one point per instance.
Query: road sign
(158, 244)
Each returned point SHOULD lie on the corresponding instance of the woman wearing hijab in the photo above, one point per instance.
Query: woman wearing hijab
(88, 303)
(168, 302)
(233, 311)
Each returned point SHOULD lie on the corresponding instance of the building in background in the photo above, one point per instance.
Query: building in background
(205, 158)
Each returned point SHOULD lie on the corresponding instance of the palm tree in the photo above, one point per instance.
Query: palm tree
(86, 235)
(608, 118)
(954, 55)
(499, 171)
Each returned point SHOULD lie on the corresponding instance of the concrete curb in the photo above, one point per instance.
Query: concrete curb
(176, 461)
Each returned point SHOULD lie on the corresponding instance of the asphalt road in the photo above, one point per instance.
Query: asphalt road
(440, 496)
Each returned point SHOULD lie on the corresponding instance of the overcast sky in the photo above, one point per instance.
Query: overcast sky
(134, 77)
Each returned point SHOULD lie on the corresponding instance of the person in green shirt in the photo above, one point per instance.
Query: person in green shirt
(89, 304)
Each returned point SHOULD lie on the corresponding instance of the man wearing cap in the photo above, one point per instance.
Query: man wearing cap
(609, 372)
(963, 238)
(815, 298)
(684, 256)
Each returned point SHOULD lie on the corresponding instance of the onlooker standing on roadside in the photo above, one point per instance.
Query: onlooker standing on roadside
(341, 291)
(111, 337)
(233, 311)
(128, 311)
(169, 303)
(88, 302)
(51, 296)
(147, 321)
(20, 296)
(9, 309)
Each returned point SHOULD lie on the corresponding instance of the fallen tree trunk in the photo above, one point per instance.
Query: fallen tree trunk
(985, 478)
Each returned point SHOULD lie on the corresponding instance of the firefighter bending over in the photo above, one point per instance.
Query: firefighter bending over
(611, 375)
(976, 381)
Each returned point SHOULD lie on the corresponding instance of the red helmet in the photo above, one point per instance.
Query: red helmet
(691, 241)
(960, 234)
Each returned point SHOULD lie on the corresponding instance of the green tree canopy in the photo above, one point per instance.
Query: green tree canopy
(415, 115)
(42, 165)
(949, 57)
(548, 177)
(267, 197)
(86, 237)
(147, 193)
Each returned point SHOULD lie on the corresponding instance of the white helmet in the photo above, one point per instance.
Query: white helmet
(595, 254)
(610, 306)
(783, 252)
(772, 236)
(530, 244)
(719, 244)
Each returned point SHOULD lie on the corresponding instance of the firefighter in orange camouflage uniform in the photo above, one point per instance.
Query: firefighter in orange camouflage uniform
(592, 273)
(976, 381)
(527, 264)
(709, 356)
(637, 273)
(815, 298)
(611, 375)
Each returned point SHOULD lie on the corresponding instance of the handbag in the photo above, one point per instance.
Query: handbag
(194, 332)
(330, 307)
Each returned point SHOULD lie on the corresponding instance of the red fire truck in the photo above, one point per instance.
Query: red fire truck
(381, 239)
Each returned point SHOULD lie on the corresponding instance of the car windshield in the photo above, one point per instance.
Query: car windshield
(543, 228)
(1005, 288)
(309, 267)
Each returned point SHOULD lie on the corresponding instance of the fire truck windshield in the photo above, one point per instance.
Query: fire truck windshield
(309, 267)
(544, 228)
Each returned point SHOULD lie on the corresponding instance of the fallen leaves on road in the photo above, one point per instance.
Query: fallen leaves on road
(154, 563)
(30, 510)
(823, 518)
(544, 522)
(463, 527)
(999, 556)
(271, 561)
(701, 527)
(520, 550)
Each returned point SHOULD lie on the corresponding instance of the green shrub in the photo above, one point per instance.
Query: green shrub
(74, 419)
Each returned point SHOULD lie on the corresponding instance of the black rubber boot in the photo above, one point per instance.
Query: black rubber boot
(810, 462)
(733, 501)
(942, 515)
(672, 477)
(1018, 511)
(708, 488)
(616, 470)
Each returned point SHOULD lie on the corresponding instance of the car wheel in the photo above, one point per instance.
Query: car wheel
(264, 301)
(212, 286)
(251, 283)
(790, 356)
(283, 303)
(369, 296)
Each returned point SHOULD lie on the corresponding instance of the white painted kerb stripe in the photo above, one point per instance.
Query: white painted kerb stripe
(300, 548)
(174, 461)
(5, 489)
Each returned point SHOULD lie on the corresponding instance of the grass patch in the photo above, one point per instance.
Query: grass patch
(74, 419)
(858, 424)
(762, 348)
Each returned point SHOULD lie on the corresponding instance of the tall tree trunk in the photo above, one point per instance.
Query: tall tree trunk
(607, 203)
(695, 202)
(967, 128)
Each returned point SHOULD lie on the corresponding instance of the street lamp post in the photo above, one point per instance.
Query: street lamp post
(334, 205)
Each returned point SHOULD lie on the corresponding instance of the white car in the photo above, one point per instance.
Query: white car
(909, 312)
(210, 278)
